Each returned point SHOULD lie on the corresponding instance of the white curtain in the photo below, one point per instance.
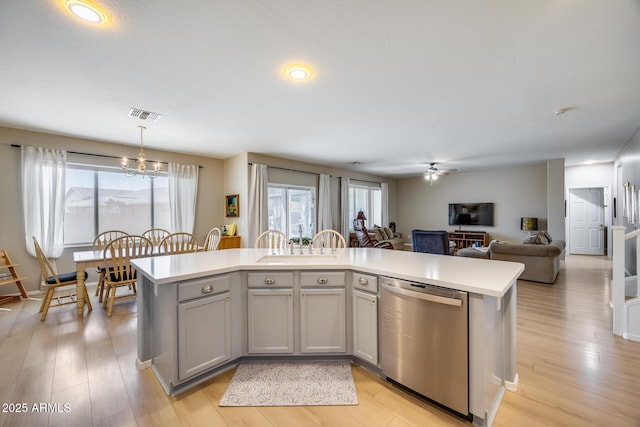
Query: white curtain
(324, 203)
(258, 202)
(183, 193)
(344, 207)
(384, 190)
(43, 188)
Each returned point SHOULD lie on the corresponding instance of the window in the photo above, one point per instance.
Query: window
(291, 207)
(100, 199)
(367, 199)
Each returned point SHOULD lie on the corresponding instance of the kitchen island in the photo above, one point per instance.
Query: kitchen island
(201, 313)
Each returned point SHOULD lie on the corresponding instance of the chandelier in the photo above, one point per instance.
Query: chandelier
(141, 168)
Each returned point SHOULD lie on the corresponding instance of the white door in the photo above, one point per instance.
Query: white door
(587, 221)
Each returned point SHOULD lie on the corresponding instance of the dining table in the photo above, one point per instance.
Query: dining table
(88, 259)
(84, 260)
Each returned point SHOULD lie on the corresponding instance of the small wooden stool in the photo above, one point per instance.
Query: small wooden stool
(11, 277)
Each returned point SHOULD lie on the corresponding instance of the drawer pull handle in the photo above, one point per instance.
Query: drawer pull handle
(323, 280)
(363, 281)
(207, 289)
(269, 281)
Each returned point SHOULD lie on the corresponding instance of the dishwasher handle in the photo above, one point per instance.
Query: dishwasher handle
(423, 296)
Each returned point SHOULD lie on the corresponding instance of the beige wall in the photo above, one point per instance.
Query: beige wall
(236, 181)
(517, 192)
(555, 199)
(413, 203)
(297, 176)
(217, 178)
(627, 169)
(210, 206)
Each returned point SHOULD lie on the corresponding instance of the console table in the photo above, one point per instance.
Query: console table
(229, 242)
(464, 239)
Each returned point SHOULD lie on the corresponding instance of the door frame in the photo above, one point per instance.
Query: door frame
(606, 190)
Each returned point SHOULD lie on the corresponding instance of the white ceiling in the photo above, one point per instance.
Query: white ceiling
(397, 84)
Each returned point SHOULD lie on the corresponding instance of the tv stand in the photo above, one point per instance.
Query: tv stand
(464, 239)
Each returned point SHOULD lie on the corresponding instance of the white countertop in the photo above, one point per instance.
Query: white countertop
(479, 276)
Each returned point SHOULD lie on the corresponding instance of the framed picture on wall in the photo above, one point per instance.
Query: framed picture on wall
(232, 205)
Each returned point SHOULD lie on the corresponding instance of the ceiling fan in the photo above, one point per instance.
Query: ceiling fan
(433, 172)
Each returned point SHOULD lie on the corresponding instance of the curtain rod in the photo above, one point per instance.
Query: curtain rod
(364, 180)
(106, 156)
(315, 173)
(289, 169)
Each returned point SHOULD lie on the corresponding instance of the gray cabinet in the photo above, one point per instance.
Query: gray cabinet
(365, 317)
(322, 321)
(204, 327)
(365, 326)
(270, 320)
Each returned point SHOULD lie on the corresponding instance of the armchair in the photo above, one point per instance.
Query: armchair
(431, 242)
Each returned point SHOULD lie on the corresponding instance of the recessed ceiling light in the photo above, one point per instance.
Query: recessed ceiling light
(298, 72)
(86, 11)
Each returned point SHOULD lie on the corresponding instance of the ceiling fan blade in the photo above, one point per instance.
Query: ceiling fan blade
(447, 171)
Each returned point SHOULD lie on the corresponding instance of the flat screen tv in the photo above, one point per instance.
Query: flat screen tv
(471, 214)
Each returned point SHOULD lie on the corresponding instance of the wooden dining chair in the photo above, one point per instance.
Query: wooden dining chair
(275, 239)
(99, 244)
(121, 272)
(156, 235)
(179, 243)
(329, 239)
(213, 239)
(51, 281)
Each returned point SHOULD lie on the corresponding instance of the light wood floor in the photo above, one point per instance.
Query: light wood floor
(573, 371)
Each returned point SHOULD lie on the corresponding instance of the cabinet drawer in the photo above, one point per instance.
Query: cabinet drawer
(366, 282)
(323, 278)
(203, 287)
(270, 280)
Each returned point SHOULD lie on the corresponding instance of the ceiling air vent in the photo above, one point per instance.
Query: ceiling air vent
(144, 115)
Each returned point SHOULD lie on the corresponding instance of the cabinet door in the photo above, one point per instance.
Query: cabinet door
(229, 242)
(204, 334)
(365, 326)
(322, 321)
(270, 320)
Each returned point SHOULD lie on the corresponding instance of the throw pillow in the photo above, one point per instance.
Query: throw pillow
(536, 239)
(381, 234)
(389, 232)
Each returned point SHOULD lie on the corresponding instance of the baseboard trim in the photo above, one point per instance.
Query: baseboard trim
(512, 385)
(631, 337)
(141, 366)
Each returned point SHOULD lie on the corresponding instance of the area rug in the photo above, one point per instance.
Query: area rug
(294, 383)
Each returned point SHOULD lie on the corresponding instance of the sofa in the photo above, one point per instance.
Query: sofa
(379, 235)
(541, 259)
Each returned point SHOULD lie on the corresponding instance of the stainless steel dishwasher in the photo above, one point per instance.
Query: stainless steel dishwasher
(424, 341)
